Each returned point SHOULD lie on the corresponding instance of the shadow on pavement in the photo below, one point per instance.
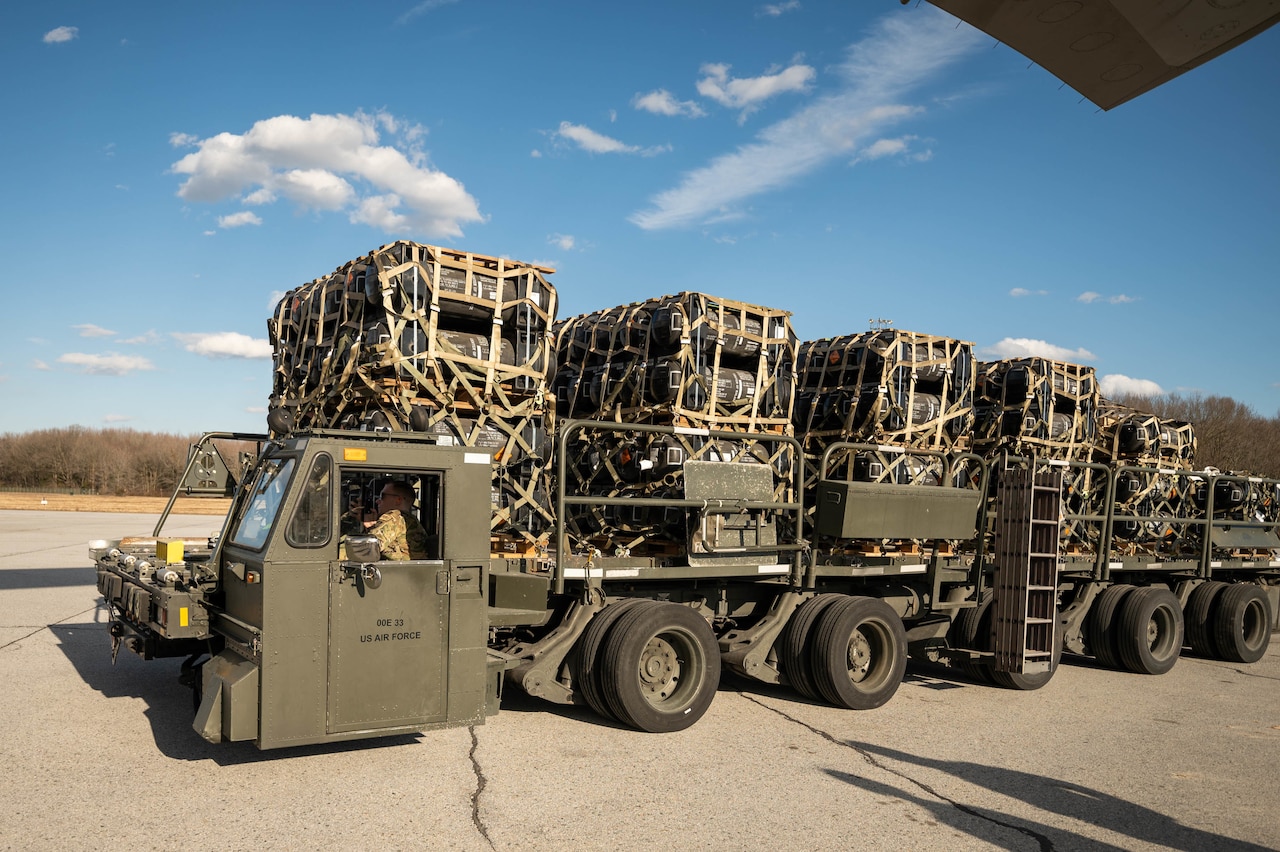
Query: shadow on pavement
(1073, 801)
(46, 578)
(169, 706)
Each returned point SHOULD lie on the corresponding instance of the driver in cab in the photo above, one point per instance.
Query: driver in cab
(399, 532)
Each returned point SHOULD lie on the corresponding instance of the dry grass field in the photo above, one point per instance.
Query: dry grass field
(55, 502)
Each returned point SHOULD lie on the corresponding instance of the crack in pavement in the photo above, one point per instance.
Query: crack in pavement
(1046, 844)
(46, 627)
(481, 783)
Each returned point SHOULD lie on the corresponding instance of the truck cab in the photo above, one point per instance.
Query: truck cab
(310, 643)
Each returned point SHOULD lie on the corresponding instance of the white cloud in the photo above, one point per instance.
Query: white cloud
(879, 70)
(116, 418)
(381, 211)
(183, 140)
(88, 329)
(773, 10)
(899, 147)
(314, 188)
(260, 196)
(60, 35)
(110, 364)
(597, 143)
(1025, 347)
(593, 142)
(225, 344)
(1089, 297)
(1115, 384)
(238, 220)
(37, 364)
(662, 102)
(146, 338)
(422, 8)
(1020, 292)
(564, 242)
(747, 93)
(331, 162)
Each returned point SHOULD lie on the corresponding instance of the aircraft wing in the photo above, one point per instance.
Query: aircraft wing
(1113, 50)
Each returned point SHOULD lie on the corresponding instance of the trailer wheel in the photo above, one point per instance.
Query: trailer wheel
(1197, 618)
(859, 653)
(797, 642)
(660, 667)
(972, 630)
(1242, 623)
(1100, 628)
(584, 664)
(1149, 630)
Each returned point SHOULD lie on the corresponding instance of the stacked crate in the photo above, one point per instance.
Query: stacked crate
(1036, 407)
(1046, 410)
(689, 361)
(893, 390)
(418, 337)
(898, 389)
(1151, 458)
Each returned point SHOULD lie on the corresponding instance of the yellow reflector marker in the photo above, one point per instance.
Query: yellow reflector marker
(182, 617)
(355, 454)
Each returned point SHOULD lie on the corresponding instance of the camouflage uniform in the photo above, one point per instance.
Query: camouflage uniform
(400, 536)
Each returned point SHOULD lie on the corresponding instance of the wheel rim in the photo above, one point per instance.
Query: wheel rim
(1253, 624)
(670, 660)
(1161, 629)
(866, 655)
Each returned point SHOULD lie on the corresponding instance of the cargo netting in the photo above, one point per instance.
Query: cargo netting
(416, 337)
(689, 361)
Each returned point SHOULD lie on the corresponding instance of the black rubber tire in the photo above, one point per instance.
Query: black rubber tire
(796, 642)
(584, 662)
(1149, 630)
(1197, 618)
(859, 653)
(972, 630)
(660, 667)
(1100, 627)
(1034, 680)
(1242, 623)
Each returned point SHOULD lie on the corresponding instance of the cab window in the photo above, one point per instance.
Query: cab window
(359, 489)
(260, 509)
(312, 520)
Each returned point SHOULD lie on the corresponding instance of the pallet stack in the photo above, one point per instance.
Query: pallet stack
(418, 337)
(887, 387)
(690, 361)
(1036, 407)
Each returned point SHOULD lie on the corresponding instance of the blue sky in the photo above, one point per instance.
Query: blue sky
(171, 169)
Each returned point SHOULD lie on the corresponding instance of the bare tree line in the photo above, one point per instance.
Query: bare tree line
(99, 461)
(1229, 435)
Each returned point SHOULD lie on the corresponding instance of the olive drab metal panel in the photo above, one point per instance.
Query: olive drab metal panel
(388, 644)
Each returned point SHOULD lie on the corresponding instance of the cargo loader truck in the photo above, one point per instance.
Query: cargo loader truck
(294, 632)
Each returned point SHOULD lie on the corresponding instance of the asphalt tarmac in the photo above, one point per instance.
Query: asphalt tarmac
(100, 756)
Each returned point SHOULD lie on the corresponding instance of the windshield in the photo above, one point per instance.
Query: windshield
(263, 503)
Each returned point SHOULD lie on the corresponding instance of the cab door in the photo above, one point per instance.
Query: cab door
(388, 644)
